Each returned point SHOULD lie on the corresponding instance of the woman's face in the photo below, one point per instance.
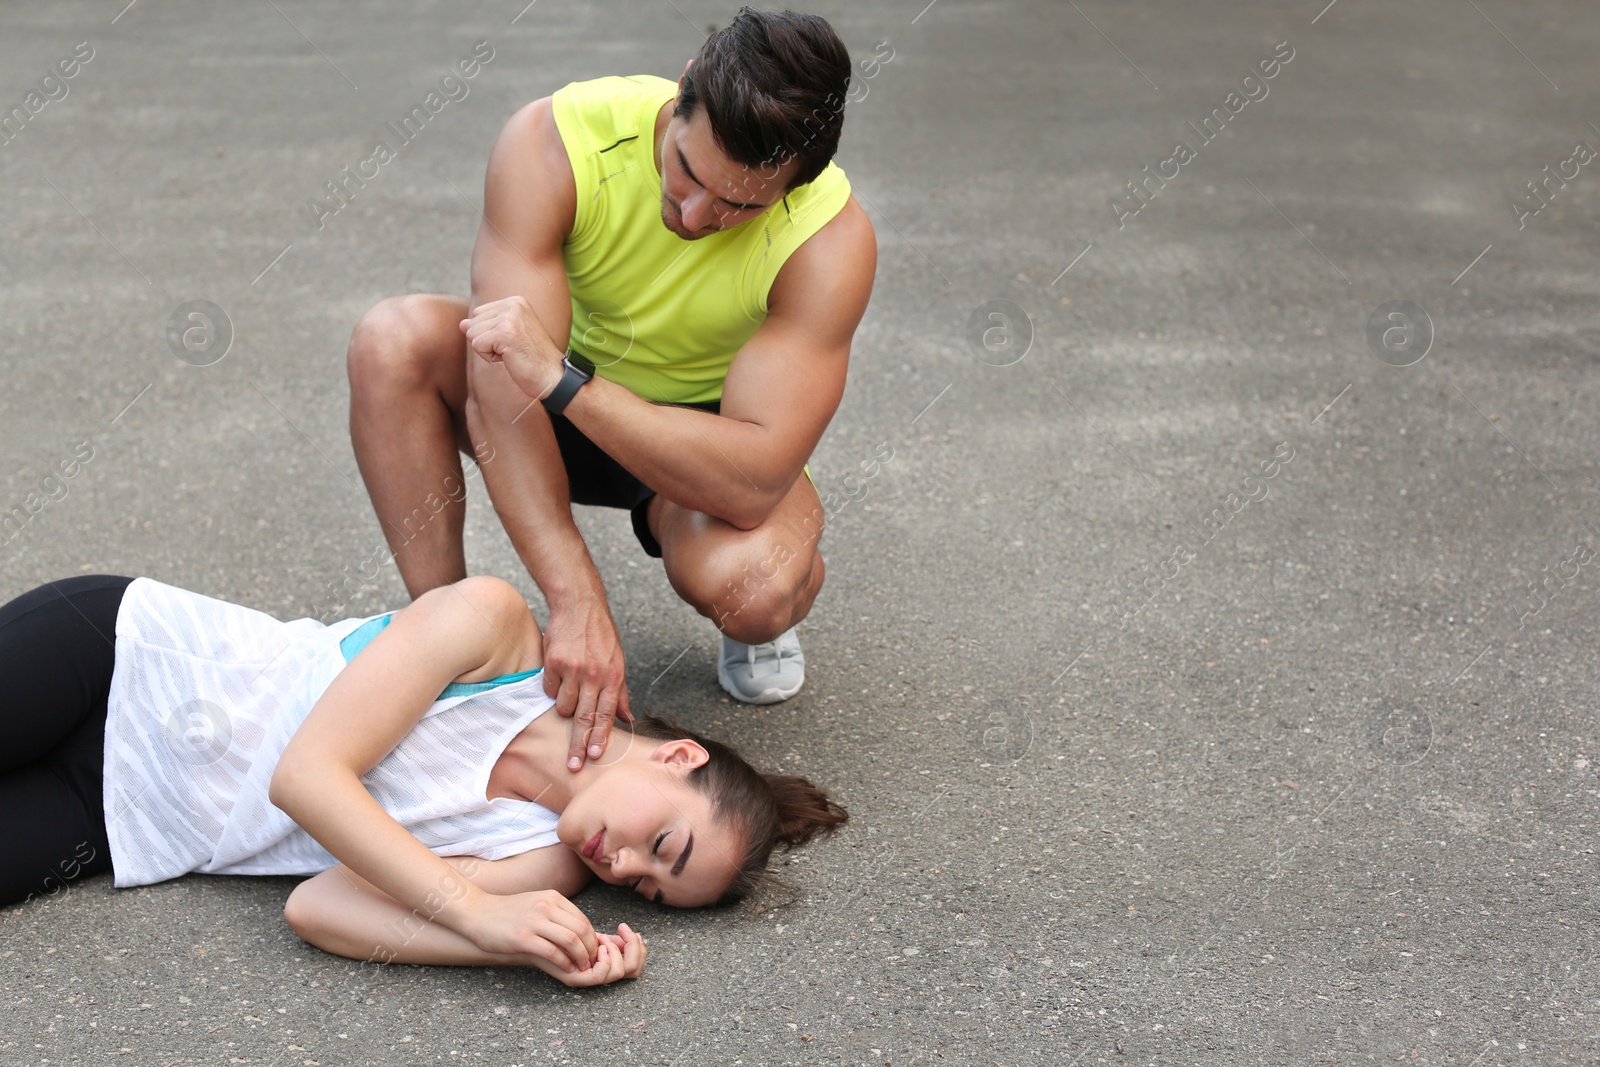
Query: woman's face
(640, 824)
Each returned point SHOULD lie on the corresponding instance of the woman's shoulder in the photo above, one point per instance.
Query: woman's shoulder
(488, 607)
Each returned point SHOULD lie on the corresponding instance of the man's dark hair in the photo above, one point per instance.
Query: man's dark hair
(773, 85)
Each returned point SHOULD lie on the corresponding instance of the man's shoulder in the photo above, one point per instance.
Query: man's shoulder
(819, 200)
(622, 83)
(605, 109)
(849, 229)
(618, 85)
(820, 220)
(846, 246)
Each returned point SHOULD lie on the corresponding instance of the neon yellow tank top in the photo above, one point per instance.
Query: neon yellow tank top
(659, 315)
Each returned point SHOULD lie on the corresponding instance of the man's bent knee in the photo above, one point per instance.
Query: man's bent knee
(406, 343)
(761, 598)
(753, 621)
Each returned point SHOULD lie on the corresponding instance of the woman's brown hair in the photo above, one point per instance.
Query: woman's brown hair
(766, 810)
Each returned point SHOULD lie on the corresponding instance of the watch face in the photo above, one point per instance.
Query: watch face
(582, 362)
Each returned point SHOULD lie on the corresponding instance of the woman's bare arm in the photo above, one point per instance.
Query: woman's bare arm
(474, 629)
(343, 913)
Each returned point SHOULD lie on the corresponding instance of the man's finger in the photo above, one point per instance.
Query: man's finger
(600, 732)
(567, 699)
(624, 712)
(484, 339)
(475, 328)
(575, 746)
(582, 722)
(484, 333)
(552, 682)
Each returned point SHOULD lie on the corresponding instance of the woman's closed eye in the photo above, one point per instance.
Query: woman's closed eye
(655, 850)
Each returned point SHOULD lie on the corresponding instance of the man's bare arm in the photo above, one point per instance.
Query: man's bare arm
(529, 207)
(780, 393)
(529, 201)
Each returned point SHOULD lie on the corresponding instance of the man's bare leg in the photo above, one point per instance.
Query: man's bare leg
(408, 394)
(753, 584)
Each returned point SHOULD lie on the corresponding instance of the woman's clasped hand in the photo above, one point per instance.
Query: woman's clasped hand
(553, 935)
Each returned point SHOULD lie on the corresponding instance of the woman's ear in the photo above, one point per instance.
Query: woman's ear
(682, 754)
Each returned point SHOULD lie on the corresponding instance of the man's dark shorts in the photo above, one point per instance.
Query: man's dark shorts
(595, 479)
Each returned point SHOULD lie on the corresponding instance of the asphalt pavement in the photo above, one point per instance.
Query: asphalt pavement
(1207, 656)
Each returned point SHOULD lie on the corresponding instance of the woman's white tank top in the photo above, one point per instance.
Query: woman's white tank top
(206, 694)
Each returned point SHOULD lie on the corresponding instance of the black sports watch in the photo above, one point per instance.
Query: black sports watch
(579, 370)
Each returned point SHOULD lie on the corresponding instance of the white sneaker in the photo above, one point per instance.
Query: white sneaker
(762, 674)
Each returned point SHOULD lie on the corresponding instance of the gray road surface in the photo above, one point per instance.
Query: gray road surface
(1210, 672)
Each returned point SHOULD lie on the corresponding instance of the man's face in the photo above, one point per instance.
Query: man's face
(702, 190)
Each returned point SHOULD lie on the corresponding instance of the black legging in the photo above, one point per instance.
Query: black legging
(57, 650)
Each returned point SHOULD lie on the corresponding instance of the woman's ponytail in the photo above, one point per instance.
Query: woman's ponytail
(803, 810)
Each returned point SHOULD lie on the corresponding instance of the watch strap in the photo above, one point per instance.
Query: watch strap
(578, 371)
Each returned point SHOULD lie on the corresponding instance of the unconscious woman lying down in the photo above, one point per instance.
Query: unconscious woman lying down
(405, 761)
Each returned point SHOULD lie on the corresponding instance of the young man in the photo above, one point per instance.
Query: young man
(699, 261)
